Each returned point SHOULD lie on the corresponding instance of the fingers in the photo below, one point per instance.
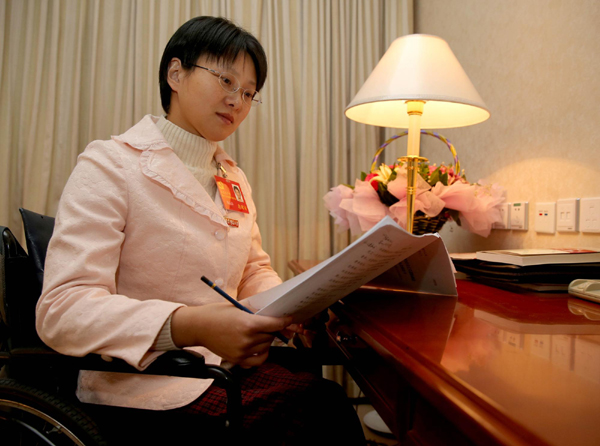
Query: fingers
(250, 356)
(300, 329)
(234, 335)
(294, 328)
(253, 338)
(267, 324)
(277, 326)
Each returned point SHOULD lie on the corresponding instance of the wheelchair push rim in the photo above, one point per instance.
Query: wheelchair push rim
(34, 417)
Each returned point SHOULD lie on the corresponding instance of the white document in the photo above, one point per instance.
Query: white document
(413, 263)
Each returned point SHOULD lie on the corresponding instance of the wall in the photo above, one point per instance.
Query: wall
(536, 64)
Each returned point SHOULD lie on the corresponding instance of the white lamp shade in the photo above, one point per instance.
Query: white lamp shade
(418, 67)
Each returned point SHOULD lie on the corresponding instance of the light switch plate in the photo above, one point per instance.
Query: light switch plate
(567, 215)
(519, 219)
(545, 218)
(589, 220)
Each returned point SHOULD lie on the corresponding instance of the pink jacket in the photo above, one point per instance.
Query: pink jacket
(134, 233)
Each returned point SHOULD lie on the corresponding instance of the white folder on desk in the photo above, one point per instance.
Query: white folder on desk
(410, 263)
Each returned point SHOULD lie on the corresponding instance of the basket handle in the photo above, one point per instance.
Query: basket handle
(423, 132)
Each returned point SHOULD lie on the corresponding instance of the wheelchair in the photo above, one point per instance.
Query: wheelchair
(37, 385)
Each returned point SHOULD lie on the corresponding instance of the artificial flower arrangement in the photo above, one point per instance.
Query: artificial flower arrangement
(443, 193)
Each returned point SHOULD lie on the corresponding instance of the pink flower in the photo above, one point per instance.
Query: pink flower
(425, 201)
(373, 183)
(398, 212)
(459, 195)
(476, 203)
(486, 211)
(397, 187)
(429, 204)
(365, 206)
(496, 192)
(333, 200)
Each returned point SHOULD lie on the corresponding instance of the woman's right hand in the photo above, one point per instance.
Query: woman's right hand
(238, 337)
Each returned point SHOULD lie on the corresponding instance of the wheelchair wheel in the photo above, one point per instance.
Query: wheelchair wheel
(29, 416)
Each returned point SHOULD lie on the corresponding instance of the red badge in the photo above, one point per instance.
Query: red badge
(231, 194)
(233, 223)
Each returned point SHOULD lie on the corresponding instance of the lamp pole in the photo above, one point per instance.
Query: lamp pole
(412, 158)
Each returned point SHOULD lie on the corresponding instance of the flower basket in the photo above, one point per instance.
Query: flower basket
(443, 193)
(422, 224)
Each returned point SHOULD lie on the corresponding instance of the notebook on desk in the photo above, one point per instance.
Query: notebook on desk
(542, 278)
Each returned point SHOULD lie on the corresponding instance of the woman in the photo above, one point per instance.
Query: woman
(142, 218)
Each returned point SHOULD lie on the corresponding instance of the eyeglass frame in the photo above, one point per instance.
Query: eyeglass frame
(253, 102)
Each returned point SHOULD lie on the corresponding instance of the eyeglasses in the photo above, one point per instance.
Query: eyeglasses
(231, 85)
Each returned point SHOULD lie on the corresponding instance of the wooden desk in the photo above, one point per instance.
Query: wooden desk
(491, 367)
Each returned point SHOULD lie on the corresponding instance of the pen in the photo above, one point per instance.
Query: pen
(238, 305)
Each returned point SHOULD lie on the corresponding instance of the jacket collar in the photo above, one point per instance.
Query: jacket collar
(159, 163)
(146, 136)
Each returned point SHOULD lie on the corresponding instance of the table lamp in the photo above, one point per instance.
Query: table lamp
(417, 84)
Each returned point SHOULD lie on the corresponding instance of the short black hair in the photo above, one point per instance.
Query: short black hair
(215, 37)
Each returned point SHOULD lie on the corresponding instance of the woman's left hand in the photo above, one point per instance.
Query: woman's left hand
(307, 331)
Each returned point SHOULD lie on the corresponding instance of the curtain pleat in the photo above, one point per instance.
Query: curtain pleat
(78, 70)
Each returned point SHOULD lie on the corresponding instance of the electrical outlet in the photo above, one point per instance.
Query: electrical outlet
(505, 215)
(545, 218)
(589, 214)
(566, 215)
(519, 216)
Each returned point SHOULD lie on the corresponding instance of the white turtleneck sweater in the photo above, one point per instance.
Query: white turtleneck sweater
(197, 154)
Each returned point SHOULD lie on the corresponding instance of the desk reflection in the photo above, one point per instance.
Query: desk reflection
(418, 321)
(490, 367)
(536, 356)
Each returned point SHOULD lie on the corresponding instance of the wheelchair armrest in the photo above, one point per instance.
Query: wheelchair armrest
(181, 363)
(175, 363)
(178, 363)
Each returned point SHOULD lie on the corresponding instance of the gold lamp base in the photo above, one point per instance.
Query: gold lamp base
(412, 170)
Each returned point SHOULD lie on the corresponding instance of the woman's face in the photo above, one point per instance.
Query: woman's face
(199, 104)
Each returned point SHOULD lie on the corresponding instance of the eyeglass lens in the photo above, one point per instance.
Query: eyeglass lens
(230, 84)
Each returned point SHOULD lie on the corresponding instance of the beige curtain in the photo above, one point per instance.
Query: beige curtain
(77, 70)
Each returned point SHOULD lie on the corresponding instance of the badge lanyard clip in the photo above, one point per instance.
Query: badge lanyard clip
(222, 169)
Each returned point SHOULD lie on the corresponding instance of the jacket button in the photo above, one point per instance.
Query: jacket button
(220, 234)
